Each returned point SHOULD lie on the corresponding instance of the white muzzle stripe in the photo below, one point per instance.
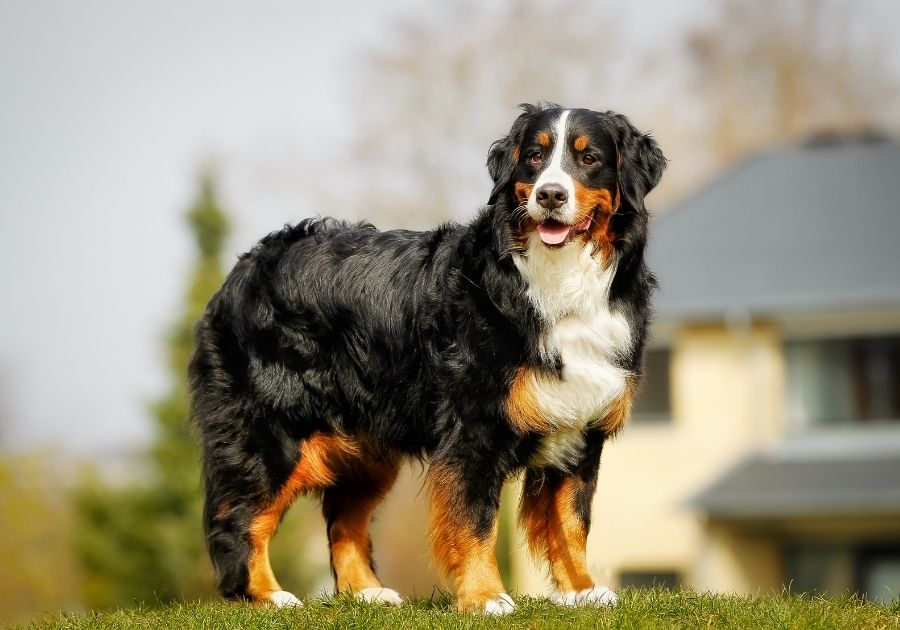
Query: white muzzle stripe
(554, 174)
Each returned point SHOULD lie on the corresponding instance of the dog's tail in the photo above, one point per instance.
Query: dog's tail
(215, 416)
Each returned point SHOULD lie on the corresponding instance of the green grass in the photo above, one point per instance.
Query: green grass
(651, 609)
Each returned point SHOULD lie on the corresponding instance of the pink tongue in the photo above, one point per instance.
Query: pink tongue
(553, 234)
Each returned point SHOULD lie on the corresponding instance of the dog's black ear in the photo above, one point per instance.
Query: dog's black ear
(503, 155)
(640, 162)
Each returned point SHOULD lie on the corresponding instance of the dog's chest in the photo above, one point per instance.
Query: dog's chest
(570, 291)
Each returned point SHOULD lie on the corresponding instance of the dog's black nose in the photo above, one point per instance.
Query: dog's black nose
(551, 196)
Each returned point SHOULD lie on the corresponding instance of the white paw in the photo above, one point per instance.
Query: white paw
(282, 599)
(380, 595)
(597, 596)
(500, 605)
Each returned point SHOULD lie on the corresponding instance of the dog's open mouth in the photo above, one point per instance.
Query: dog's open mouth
(555, 233)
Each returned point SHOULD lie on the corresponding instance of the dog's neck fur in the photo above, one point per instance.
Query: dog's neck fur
(569, 287)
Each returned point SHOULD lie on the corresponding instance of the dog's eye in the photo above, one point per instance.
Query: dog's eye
(588, 159)
(536, 157)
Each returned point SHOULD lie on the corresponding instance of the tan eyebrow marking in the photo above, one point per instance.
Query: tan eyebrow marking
(543, 138)
(581, 143)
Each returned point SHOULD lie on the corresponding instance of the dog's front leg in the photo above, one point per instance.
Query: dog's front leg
(465, 497)
(556, 514)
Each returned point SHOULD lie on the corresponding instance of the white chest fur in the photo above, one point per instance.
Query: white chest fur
(570, 290)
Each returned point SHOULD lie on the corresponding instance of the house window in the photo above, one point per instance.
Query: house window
(835, 569)
(650, 579)
(819, 569)
(652, 404)
(878, 573)
(843, 381)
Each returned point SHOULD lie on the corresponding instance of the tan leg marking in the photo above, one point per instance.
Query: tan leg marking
(353, 505)
(320, 455)
(457, 549)
(555, 531)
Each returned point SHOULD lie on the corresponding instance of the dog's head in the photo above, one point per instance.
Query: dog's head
(570, 174)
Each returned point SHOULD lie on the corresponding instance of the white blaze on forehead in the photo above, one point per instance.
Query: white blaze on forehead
(555, 166)
(554, 174)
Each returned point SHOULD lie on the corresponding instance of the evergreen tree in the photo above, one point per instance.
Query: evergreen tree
(142, 541)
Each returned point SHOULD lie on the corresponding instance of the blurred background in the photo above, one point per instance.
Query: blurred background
(143, 146)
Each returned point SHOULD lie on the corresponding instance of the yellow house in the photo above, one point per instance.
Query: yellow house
(765, 448)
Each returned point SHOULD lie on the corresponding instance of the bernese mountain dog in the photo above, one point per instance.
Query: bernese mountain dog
(511, 344)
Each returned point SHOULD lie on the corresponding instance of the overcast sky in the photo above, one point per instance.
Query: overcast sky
(106, 110)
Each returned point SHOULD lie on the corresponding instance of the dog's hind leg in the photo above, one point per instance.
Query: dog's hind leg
(241, 525)
(237, 536)
(236, 488)
(348, 507)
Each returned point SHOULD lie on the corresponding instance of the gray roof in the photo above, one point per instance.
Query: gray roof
(798, 229)
(813, 480)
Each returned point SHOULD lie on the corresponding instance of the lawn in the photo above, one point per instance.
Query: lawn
(636, 609)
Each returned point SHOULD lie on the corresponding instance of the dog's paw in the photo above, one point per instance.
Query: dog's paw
(381, 595)
(597, 596)
(500, 605)
(283, 599)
